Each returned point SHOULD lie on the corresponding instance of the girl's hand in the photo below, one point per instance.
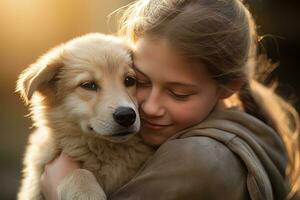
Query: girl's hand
(54, 173)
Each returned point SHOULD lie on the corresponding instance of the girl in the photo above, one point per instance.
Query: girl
(219, 133)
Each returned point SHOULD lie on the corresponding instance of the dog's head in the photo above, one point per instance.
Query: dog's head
(87, 83)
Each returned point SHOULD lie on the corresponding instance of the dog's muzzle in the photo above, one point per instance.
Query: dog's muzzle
(124, 116)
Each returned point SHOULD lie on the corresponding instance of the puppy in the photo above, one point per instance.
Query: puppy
(82, 102)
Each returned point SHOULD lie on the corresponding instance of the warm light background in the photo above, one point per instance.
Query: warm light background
(28, 28)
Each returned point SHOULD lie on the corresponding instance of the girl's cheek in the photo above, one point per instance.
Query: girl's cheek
(184, 117)
(189, 114)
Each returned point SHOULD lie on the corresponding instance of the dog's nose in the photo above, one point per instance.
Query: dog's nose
(125, 116)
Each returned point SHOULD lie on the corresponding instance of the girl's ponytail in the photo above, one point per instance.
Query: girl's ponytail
(262, 102)
(249, 104)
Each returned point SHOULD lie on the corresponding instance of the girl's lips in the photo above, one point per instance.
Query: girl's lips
(153, 126)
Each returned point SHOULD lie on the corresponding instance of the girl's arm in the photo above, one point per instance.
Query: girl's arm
(190, 168)
(54, 173)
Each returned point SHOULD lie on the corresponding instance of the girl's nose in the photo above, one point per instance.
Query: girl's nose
(152, 104)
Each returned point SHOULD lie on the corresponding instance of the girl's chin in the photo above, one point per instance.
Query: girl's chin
(152, 139)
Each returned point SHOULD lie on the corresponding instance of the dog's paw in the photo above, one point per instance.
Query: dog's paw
(81, 184)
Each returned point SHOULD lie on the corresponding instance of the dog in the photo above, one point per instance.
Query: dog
(82, 102)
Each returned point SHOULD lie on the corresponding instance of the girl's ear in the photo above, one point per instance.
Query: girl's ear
(39, 73)
(231, 88)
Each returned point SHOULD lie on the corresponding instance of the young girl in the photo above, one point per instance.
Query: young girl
(219, 133)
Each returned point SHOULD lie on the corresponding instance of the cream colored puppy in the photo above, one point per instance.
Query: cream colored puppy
(82, 101)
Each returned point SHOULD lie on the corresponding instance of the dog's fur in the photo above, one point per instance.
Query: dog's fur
(78, 121)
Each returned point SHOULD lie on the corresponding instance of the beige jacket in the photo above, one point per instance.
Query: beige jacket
(231, 155)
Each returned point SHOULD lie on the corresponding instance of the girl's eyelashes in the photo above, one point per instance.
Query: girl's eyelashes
(178, 96)
(143, 83)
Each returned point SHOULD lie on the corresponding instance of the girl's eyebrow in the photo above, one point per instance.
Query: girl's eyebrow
(180, 84)
(171, 83)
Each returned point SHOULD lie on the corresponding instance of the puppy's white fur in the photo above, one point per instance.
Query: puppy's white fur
(78, 121)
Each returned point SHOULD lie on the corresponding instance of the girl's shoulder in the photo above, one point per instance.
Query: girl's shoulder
(236, 134)
(205, 157)
(197, 150)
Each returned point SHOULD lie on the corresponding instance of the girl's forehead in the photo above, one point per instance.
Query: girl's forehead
(156, 59)
(157, 50)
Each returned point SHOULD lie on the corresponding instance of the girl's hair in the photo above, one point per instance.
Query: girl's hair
(222, 35)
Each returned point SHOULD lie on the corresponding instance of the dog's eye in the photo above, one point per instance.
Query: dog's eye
(129, 81)
(89, 86)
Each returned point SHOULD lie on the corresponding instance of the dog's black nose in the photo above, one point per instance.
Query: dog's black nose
(125, 116)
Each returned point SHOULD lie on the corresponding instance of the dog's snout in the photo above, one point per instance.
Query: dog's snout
(125, 116)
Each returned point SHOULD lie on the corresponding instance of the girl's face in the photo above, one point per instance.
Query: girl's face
(172, 93)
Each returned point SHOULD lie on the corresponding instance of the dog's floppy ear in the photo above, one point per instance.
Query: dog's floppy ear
(39, 73)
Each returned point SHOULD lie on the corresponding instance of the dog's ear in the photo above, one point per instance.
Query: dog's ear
(39, 73)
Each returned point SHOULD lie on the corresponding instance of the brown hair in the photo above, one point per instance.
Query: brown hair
(222, 35)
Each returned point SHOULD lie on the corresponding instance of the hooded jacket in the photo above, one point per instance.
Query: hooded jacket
(230, 155)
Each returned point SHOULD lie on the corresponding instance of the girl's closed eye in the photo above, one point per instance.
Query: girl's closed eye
(181, 96)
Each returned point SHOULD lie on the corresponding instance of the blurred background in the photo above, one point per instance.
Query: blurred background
(29, 28)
